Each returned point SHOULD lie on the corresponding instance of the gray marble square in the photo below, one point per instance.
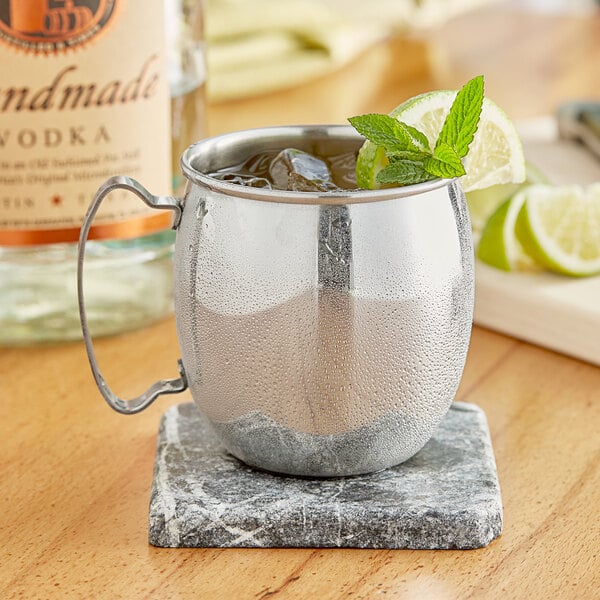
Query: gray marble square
(446, 496)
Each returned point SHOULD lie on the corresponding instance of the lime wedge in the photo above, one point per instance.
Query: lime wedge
(495, 155)
(498, 245)
(482, 203)
(559, 226)
(370, 160)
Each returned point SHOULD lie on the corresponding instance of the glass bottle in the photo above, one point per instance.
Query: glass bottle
(128, 271)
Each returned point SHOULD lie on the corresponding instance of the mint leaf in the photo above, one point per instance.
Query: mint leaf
(418, 138)
(445, 162)
(461, 123)
(390, 133)
(404, 172)
(382, 130)
(413, 155)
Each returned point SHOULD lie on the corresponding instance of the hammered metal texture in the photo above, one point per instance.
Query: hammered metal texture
(339, 326)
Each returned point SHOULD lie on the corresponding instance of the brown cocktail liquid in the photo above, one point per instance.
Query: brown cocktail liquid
(295, 170)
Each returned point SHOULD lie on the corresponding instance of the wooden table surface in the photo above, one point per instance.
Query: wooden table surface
(75, 476)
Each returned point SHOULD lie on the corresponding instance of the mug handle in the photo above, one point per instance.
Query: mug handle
(164, 386)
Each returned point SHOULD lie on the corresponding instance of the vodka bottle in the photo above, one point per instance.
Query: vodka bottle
(85, 94)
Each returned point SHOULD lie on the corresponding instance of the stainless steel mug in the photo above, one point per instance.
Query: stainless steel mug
(321, 334)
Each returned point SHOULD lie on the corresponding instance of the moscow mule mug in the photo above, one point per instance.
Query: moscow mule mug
(321, 334)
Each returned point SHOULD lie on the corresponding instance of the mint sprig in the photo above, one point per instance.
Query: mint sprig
(462, 120)
(408, 150)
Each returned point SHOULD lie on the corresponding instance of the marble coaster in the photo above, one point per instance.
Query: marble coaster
(446, 496)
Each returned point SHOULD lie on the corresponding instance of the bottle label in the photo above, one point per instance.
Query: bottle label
(83, 96)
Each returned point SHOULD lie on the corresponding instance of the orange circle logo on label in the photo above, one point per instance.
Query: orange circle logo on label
(49, 26)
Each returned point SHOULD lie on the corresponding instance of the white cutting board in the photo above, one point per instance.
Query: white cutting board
(557, 312)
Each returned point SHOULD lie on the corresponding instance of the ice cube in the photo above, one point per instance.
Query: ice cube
(243, 179)
(296, 170)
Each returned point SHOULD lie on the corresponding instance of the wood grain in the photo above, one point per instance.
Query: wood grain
(75, 477)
